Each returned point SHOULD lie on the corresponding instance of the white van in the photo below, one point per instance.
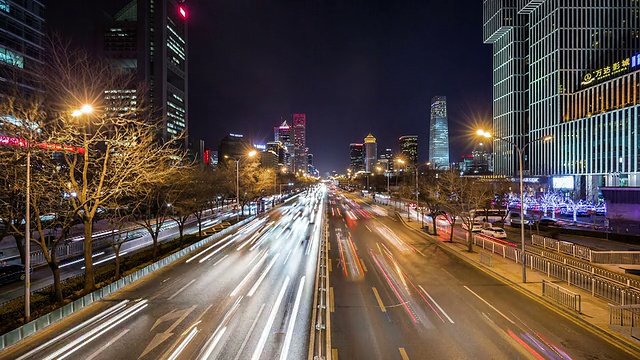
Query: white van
(477, 226)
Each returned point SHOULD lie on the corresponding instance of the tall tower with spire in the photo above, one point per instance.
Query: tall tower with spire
(370, 153)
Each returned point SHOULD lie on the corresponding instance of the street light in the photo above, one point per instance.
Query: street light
(520, 152)
(251, 153)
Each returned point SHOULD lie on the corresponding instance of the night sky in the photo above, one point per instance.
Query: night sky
(352, 66)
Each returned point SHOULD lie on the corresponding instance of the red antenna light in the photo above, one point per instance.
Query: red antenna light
(183, 11)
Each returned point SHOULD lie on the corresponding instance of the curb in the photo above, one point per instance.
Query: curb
(612, 337)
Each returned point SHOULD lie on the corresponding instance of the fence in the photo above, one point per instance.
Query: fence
(583, 252)
(625, 319)
(562, 296)
(26, 330)
(619, 292)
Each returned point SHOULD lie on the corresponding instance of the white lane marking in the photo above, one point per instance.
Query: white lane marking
(264, 273)
(111, 342)
(184, 344)
(205, 250)
(270, 320)
(246, 339)
(180, 290)
(76, 328)
(246, 278)
(292, 322)
(216, 338)
(217, 262)
(491, 306)
(287, 258)
(438, 306)
(368, 228)
(97, 331)
(165, 280)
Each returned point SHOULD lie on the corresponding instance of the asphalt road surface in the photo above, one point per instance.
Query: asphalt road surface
(395, 295)
(247, 296)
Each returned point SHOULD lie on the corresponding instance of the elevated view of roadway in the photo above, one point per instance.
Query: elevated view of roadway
(393, 294)
(397, 296)
(246, 296)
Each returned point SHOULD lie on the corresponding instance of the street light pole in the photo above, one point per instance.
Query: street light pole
(27, 238)
(520, 172)
(237, 189)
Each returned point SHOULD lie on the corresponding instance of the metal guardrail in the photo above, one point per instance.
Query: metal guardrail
(486, 259)
(562, 296)
(583, 252)
(28, 329)
(624, 315)
(320, 344)
(615, 291)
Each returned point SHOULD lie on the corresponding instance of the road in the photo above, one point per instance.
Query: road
(247, 296)
(395, 295)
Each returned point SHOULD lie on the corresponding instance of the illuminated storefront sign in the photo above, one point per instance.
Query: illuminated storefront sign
(606, 72)
(12, 141)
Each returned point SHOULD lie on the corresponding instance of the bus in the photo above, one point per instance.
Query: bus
(489, 215)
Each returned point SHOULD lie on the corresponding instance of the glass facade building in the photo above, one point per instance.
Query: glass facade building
(21, 41)
(439, 134)
(356, 158)
(567, 70)
(149, 37)
(409, 151)
(300, 143)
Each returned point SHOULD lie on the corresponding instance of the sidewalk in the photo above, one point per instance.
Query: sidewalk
(595, 312)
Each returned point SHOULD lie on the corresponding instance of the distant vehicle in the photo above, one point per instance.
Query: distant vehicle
(11, 273)
(488, 215)
(550, 223)
(498, 233)
(477, 226)
(514, 219)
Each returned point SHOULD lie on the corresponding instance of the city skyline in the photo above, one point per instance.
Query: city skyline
(351, 74)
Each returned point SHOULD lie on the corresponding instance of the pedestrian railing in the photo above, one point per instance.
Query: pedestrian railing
(623, 292)
(26, 330)
(583, 252)
(624, 315)
(562, 296)
(486, 259)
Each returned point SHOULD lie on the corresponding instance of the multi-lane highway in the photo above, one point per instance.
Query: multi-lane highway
(394, 295)
(247, 296)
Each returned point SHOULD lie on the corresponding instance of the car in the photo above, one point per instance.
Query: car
(476, 227)
(514, 219)
(495, 232)
(550, 223)
(11, 273)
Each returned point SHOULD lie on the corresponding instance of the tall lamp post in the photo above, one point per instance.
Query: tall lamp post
(251, 153)
(520, 165)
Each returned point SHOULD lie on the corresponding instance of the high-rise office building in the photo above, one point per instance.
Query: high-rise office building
(356, 158)
(370, 153)
(283, 134)
(409, 151)
(386, 160)
(439, 134)
(233, 146)
(571, 72)
(149, 38)
(300, 142)
(21, 43)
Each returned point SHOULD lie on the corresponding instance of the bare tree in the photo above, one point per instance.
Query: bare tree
(117, 140)
(430, 196)
(117, 219)
(463, 196)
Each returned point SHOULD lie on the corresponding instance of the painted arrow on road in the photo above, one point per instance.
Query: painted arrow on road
(159, 338)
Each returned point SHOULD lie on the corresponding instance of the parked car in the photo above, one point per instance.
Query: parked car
(498, 233)
(476, 227)
(11, 273)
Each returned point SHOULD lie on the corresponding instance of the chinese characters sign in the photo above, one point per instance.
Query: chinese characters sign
(609, 71)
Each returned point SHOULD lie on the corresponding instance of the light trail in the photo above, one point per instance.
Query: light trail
(292, 322)
(270, 320)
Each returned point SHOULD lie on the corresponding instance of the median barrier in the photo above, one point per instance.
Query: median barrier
(14, 336)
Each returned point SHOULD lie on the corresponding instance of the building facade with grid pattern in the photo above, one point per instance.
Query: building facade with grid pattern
(566, 68)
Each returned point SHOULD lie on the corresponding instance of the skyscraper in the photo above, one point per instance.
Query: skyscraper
(386, 160)
(439, 134)
(300, 142)
(149, 37)
(568, 71)
(356, 158)
(409, 151)
(21, 43)
(370, 153)
(283, 134)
